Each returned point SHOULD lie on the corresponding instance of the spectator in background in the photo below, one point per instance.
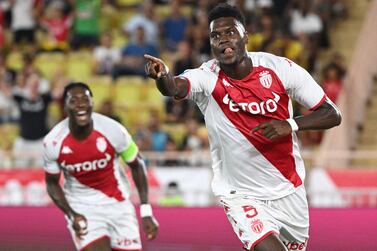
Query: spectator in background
(338, 60)
(172, 197)
(7, 80)
(56, 25)
(148, 21)
(132, 56)
(24, 20)
(266, 40)
(107, 109)
(4, 6)
(159, 137)
(332, 82)
(105, 56)
(198, 37)
(86, 24)
(192, 141)
(183, 59)
(174, 26)
(304, 20)
(33, 106)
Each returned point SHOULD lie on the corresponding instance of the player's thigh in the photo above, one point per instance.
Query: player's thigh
(102, 244)
(124, 227)
(293, 216)
(270, 243)
(250, 220)
(96, 225)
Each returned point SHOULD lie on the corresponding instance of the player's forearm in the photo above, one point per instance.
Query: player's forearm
(140, 179)
(57, 195)
(167, 85)
(325, 117)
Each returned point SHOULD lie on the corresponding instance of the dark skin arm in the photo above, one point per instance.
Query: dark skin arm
(139, 176)
(324, 117)
(56, 193)
(166, 83)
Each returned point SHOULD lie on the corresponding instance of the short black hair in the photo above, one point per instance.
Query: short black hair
(225, 10)
(73, 85)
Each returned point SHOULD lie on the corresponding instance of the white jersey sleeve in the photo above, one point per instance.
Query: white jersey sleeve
(52, 143)
(50, 159)
(299, 84)
(202, 82)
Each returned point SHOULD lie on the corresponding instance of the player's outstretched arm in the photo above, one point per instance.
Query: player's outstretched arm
(324, 117)
(166, 83)
(56, 193)
(139, 176)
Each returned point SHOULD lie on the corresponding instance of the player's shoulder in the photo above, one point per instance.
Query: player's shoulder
(53, 140)
(211, 66)
(58, 132)
(268, 60)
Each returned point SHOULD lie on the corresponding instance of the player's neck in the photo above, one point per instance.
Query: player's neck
(81, 132)
(238, 70)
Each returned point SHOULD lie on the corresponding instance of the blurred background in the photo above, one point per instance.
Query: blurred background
(45, 44)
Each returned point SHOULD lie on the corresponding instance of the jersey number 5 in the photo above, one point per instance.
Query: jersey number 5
(250, 211)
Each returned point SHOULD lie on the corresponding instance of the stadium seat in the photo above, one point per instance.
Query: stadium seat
(101, 88)
(49, 63)
(79, 65)
(14, 60)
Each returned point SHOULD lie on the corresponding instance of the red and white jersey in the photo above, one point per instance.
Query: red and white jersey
(91, 167)
(243, 162)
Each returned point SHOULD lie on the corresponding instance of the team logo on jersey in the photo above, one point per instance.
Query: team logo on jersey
(257, 226)
(101, 144)
(66, 150)
(226, 83)
(265, 79)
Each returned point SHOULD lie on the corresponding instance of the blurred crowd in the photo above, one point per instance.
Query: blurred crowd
(117, 33)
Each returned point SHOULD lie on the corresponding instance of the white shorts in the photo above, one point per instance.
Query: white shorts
(116, 221)
(253, 220)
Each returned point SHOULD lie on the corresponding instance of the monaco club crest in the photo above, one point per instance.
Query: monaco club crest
(265, 79)
(101, 144)
(257, 226)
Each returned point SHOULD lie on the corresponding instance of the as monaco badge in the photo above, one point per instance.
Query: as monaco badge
(257, 226)
(101, 144)
(265, 79)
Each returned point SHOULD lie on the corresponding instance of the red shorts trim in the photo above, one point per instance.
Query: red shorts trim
(261, 239)
(92, 242)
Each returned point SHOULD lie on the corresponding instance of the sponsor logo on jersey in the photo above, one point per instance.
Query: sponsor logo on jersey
(66, 150)
(265, 79)
(226, 83)
(101, 144)
(257, 226)
(270, 105)
(88, 165)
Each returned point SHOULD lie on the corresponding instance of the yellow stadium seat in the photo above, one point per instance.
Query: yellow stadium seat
(79, 65)
(14, 60)
(49, 63)
(101, 88)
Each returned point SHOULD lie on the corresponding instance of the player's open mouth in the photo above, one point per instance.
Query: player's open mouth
(228, 51)
(82, 115)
